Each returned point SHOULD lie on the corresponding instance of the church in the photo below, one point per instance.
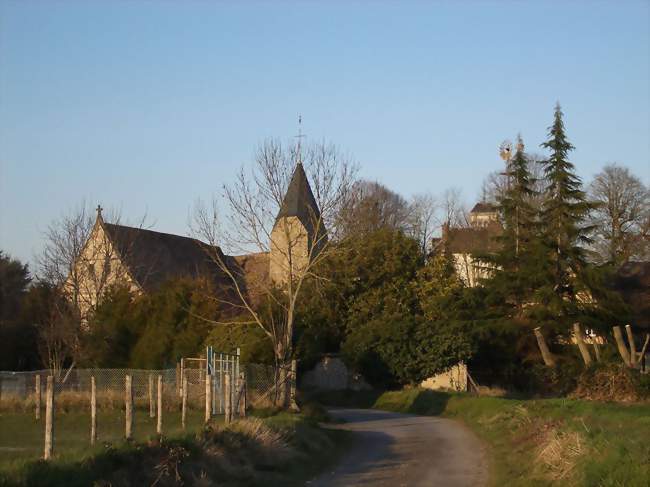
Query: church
(143, 259)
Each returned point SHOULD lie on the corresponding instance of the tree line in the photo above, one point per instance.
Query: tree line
(380, 294)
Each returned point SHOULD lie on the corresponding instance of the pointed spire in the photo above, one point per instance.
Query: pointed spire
(299, 200)
(299, 137)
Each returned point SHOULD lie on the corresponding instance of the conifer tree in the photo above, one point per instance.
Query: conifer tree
(514, 267)
(562, 216)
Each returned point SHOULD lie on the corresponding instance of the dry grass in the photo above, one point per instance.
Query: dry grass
(612, 382)
(70, 401)
(558, 453)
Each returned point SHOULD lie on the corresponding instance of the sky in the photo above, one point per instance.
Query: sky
(146, 106)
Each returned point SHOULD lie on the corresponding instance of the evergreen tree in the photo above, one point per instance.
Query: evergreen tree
(514, 268)
(563, 214)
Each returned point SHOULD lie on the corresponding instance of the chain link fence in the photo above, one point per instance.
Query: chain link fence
(22, 420)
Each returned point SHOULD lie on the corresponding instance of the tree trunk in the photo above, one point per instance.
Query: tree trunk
(620, 343)
(547, 356)
(584, 351)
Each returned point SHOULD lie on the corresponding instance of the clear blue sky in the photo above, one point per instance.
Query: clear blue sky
(148, 105)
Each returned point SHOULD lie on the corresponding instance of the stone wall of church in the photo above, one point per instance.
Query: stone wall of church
(289, 249)
(97, 268)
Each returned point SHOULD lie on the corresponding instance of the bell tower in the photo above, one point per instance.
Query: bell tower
(298, 232)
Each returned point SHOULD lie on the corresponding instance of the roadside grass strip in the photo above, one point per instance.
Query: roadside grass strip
(536, 442)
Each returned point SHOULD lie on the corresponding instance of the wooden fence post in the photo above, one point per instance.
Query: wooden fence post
(184, 402)
(227, 396)
(49, 418)
(242, 395)
(37, 397)
(93, 411)
(597, 351)
(620, 344)
(643, 349)
(584, 351)
(208, 397)
(177, 379)
(182, 374)
(630, 339)
(152, 411)
(128, 407)
(160, 399)
(548, 358)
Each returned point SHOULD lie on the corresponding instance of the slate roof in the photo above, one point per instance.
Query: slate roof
(473, 240)
(299, 200)
(483, 208)
(154, 257)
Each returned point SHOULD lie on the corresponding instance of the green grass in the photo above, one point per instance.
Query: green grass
(538, 442)
(22, 436)
(282, 449)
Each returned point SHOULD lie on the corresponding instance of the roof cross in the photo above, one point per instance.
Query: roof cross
(99, 210)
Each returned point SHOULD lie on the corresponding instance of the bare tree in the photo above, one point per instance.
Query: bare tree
(59, 333)
(370, 206)
(79, 262)
(452, 209)
(622, 215)
(423, 210)
(294, 245)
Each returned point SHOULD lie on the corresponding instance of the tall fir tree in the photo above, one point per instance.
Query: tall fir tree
(562, 217)
(514, 268)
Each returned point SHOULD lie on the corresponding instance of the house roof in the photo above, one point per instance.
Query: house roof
(473, 240)
(483, 207)
(299, 200)
(154, 257)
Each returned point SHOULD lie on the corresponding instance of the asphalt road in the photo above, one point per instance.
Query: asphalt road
(392, 449)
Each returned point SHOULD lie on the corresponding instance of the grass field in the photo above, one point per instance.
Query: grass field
(21, 436)
(538, 442)
(270, 448)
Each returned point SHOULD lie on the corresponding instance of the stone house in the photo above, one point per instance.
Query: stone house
(465, 242)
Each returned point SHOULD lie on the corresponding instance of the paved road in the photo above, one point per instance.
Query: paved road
(397, 450)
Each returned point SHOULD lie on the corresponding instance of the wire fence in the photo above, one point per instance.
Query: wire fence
(154, 411)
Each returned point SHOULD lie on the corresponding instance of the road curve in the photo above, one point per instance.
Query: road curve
(392, 449)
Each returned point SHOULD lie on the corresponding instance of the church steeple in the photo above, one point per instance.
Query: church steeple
(298, 233)
(299, 200)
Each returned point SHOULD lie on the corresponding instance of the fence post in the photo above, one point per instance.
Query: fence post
(596, 351)
(152, 412)
(620, 344)
(182, 374)
(128, 403)
(548, 358)
(227, 399)
(49, 418)
(93, 411)
(242, 395)
(584, 351)
(630, 339)
(208, 397)
(37, 397)
(221, 383)
(184, 401)
(160, 398)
